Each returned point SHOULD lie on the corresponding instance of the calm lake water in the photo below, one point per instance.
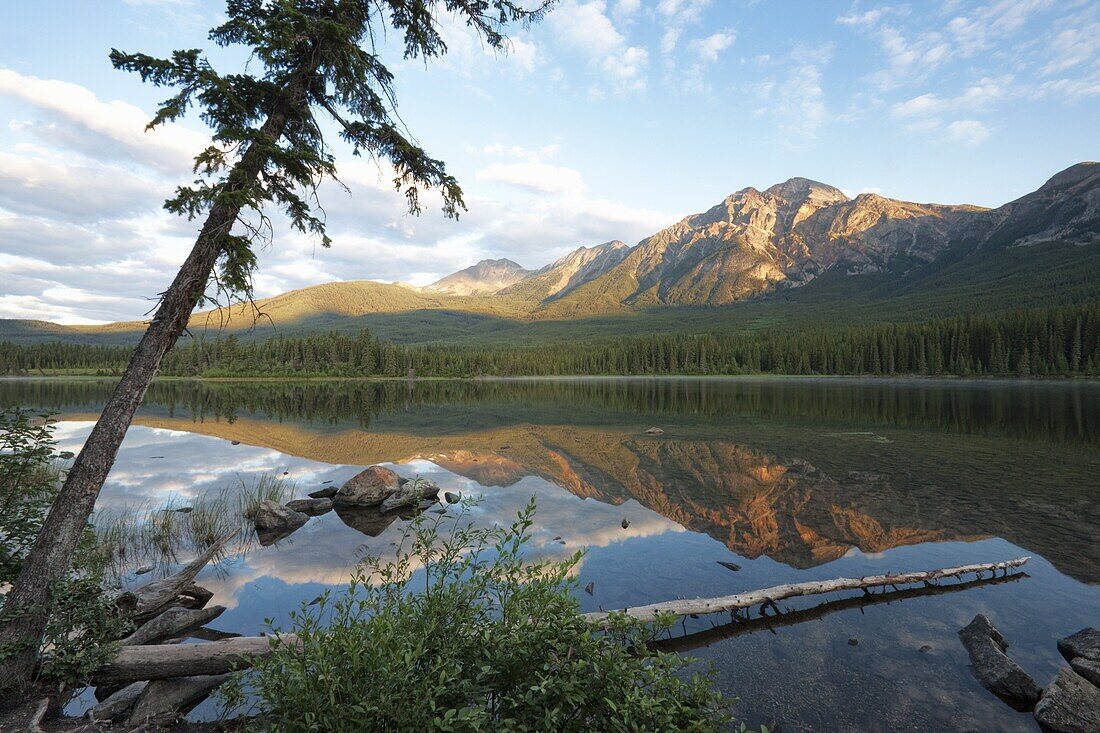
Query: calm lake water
(792, 480)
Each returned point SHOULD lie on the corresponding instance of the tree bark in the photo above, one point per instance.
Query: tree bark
(28, 604)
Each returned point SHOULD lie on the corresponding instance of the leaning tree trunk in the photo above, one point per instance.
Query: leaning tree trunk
(28, 605)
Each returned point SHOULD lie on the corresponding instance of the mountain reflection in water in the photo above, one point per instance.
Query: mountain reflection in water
(796, 479)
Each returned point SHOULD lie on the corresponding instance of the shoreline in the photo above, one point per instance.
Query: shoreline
(764, 376)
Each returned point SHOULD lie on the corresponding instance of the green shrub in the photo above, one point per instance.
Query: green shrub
(463, 634)
(84, 624)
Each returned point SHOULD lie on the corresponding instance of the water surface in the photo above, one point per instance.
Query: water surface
(791, 480)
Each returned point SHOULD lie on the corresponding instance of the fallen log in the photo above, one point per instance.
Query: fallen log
(771, 623)
(153, 662)
(172, 623)
(768, 596)
(157, 662)
(152, 598)
(174, 696)
(117, 704)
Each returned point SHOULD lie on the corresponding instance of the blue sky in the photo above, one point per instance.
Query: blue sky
(609, 120)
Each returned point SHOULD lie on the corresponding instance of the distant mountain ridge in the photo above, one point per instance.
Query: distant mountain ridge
(487, 276)
(800, 248)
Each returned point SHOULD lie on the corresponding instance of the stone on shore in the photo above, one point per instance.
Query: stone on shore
(369, 487)
(411, 493)
(1085, 643)
(993, 668)
(310, 507)
(654, 431)
(1071, 704)
(326, 493)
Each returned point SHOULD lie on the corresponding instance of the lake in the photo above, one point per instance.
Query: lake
(789, 479)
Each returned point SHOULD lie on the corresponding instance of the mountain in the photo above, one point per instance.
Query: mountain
(800, 253)
(487, 276)
(570, 272)
(754, 242)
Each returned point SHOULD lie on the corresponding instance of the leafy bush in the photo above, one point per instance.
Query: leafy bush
(463, 634)
(85, 623)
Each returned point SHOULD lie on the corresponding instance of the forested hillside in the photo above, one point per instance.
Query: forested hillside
(1059, 341)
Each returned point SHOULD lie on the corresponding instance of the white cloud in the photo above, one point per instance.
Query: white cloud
(627, 7)
(585, 27)
(710, 47)
(534, 177)
(77, 251)
(117, 128)
(967, 132)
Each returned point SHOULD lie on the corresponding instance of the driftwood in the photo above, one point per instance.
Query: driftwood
(152, 598)
(178, 695)
(172, 623)
(154, 662)
(769, 596)
(771, 623)
(208, 634)
(118, 703)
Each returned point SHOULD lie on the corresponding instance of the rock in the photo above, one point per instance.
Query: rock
(185, 510)
(452, 498)
(326, 493)
(410, 494)
(729, 565)
(1070, 705)
(65, 455)
(144, 569)
(853, 641)
(369, 487)
(993, 668)
(274, 521)
(1085, 643)
(310, 507)
(655, 431)
(235, 442)
(625, 523)
(590, 587)
(1087, 668)
(925, 649)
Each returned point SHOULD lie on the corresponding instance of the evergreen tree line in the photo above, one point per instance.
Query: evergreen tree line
(1061, 341)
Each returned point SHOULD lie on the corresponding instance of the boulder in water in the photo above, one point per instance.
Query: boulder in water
(310, 507)
(326, 493)
(1085, 643)
(1071, 704)
(369, 487)
(274, 521)
(993, 668)
(410, 494)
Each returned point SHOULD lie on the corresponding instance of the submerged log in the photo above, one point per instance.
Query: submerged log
(152, 598)
(155, 662)
(768, 596)
(174, 622)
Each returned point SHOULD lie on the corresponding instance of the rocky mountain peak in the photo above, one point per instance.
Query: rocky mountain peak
(802, 190)
(484, 278)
